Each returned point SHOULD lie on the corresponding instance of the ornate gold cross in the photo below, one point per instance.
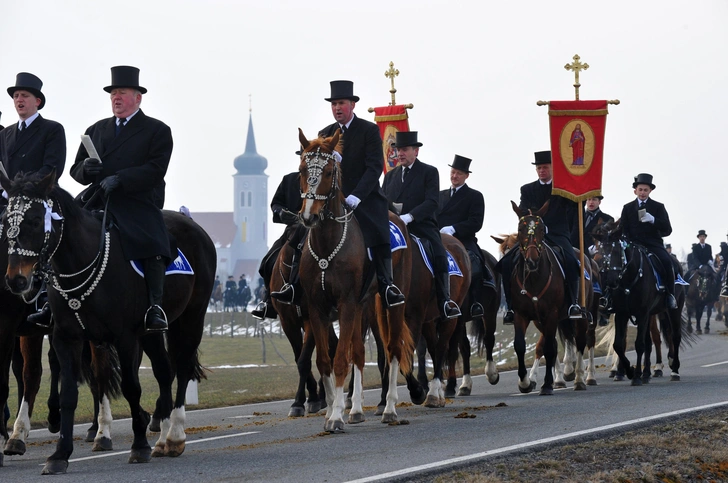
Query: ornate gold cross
(391, 73)
(576, 66)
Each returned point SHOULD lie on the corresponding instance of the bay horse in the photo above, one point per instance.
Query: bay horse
(538, 294)
(338, 281)
(216, 298)
(627, 273)
(703, 292)
(51, 236)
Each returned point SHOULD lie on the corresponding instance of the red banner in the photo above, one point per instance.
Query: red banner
(577, 144)
(390, 119)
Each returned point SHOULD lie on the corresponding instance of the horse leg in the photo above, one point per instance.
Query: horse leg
(581, 338)
(674, 318)
(698, 316)
(708, 314)
(550, 353)
(559, 379)
(657, 342)
(153, 346)
(383, 369)
(422, 360)
(569, 369)
(620, 343)
(491, 369)
(295, 338)
(452, 360)
(525, 384)
(356, 414)
(315, 397)
(466, 388)
(54, 401)
(647, 357)
(639, 346)
(6, 360)
(30, 350)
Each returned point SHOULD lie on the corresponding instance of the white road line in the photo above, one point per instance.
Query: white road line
(506, 449)
(716, 364)
(187, 443)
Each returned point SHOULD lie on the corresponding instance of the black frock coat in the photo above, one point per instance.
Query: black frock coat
(139, 155)
(287, 196)
(465, 212)
(41, 149)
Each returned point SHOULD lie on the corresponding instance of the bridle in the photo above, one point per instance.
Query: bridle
(619, 266)
(529, 244)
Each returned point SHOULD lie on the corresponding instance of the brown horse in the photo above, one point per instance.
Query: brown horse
(538, 295)
(703, 292)
(338, 280)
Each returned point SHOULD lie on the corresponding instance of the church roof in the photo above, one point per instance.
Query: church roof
(250, 162)
(219, 225)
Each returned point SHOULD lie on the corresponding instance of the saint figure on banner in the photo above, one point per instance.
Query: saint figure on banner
(576, 143)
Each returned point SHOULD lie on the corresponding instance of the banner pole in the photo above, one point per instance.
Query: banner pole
(581, 255)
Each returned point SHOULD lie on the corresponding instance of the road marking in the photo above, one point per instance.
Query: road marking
(716, 364)
(203, 440)
(506, 449)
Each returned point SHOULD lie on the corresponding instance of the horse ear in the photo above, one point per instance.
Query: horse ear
(48, 183)
(516, 209)
(498, 239)
(302, 139)
(545, 208)
(334, 140)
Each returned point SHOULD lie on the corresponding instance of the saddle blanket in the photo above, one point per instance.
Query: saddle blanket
(453, 267)
(179, 266)
(679, 280)
(397, 241)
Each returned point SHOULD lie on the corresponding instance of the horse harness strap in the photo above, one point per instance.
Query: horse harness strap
(323, 263)
(524, 291)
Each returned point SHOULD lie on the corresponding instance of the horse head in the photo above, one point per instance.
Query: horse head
(531, 232)
(610, 255)
(320, 179)
(28, 224)
(506, 242)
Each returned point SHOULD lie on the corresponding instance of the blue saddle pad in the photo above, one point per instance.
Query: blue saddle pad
(396, 238)
(679, 280)
(453, 267)
(179, 266)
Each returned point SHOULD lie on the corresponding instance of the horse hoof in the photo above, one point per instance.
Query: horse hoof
(432, 402)
(296, 412)
(142, 455)
(570, 377)
(707, 330)
(356, 418)
(579, 386)
(158, 451)
(690, 329)
(636, 381)
(102, 444)
(449, 392)
(618, 377)
(657, 373)
(90, 435)
(464, 391)
(389, 418)
(174, 448)
(674, 377)
(546, 391)
(560, 385)
(526, 390)
(591, 382)
(646, 379)
(379, 411)
(154, 425)
(14, 447)
(418, 397)
(698, 331)
(54, 427)
(336, 426)
(313, 407)
(55, 467)
(495, 380)
(2, 458)
(612, 374)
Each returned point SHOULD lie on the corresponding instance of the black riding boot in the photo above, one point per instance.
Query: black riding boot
(575, 311)
(670, 300)
(476, 285)
(382, 259)
(290, 292)
(448, 308)
(42, 318)
(155, 320)
(265, 310)
(506, 281)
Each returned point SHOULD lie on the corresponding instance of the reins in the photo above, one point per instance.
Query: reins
(524, 249)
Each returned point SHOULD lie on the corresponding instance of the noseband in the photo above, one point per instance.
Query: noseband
(531, 240)
(531, 225)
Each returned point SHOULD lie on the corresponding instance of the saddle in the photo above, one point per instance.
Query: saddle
(656, 266)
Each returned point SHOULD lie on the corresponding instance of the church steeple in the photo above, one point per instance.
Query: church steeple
(250, 162)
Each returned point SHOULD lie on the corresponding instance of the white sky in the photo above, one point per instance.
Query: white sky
(473, 69)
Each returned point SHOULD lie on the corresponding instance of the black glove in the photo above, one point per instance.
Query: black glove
(92, 167)
(110, 183)
(288, 217)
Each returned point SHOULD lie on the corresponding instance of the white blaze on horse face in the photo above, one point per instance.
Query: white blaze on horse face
(531, 227)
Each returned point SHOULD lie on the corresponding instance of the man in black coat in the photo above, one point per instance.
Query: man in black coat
(461, 211)
(645, 221)
(362, 162)
(724, 256)
(32, 145)
(701, 251)
(593, 217)
(561, 223)
(415, 186)
(135, 151)
(285, 205)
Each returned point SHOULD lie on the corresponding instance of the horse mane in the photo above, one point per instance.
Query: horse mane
(34, 185)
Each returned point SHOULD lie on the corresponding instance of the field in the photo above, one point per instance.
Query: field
(252, 365)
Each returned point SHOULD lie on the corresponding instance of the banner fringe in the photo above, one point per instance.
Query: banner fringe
(396, 117)
(573, 197)
(597, 112)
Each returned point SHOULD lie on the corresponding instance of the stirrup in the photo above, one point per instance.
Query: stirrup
(42, 318)
(449, 304)
(259, 311)
(724, 291)
(396, 292)
(508, 317)
(476, 310)
(573, 313)
(282, 295)
(147, 328)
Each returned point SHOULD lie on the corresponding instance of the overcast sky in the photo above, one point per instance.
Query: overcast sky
(473, 70)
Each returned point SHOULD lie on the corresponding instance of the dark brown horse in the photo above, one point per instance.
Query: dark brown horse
(703, 292)
(338, 282)
(538, 294)
(50, 235)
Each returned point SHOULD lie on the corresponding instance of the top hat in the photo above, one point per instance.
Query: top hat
(125, 76)
(702, 232)
(461, 163)
(542, 157)
(668, 246)
(406, 138)
(643, 178)
(25, 81)
(342, 89)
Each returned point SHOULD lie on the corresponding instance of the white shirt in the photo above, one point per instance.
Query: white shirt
(29, 120)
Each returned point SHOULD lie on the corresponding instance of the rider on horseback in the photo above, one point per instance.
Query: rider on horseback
(561, 223)
(416, 185)
(461, 213)
(724, 256)
(645, 221)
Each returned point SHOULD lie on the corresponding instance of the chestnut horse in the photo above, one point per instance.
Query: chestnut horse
(50, 235)
(338, 280)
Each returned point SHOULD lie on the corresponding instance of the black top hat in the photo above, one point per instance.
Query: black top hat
(542, 157)
(668, 246)
(702, 232)
(25, 81)
(643, 178)
(406, 138)
(342, 89)
(461, 163)
(125, 76)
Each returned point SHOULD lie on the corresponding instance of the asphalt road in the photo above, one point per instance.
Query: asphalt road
(260, 443)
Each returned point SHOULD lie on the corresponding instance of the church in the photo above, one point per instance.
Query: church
(241, 236)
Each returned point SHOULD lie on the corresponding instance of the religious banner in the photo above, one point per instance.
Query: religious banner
(390, 119)
(577, 144)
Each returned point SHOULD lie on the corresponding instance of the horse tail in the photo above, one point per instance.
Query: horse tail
(197, 371)
(605, 336)
(106, 371)
(686, 337)
(477, 330)
(566, 331)
(395, 334)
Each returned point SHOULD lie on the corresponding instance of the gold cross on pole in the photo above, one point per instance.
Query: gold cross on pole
(391, 73)
(576, 66)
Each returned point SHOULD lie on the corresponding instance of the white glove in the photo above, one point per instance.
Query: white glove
(592, 250)
(647, 218)
(710, 262)
(352, 201)
(407, 218)
(447, 230)
(337, 156)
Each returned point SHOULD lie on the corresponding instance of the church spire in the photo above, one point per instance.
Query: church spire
(250, 162)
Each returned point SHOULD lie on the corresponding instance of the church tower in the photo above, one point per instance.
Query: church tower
(251, 209)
